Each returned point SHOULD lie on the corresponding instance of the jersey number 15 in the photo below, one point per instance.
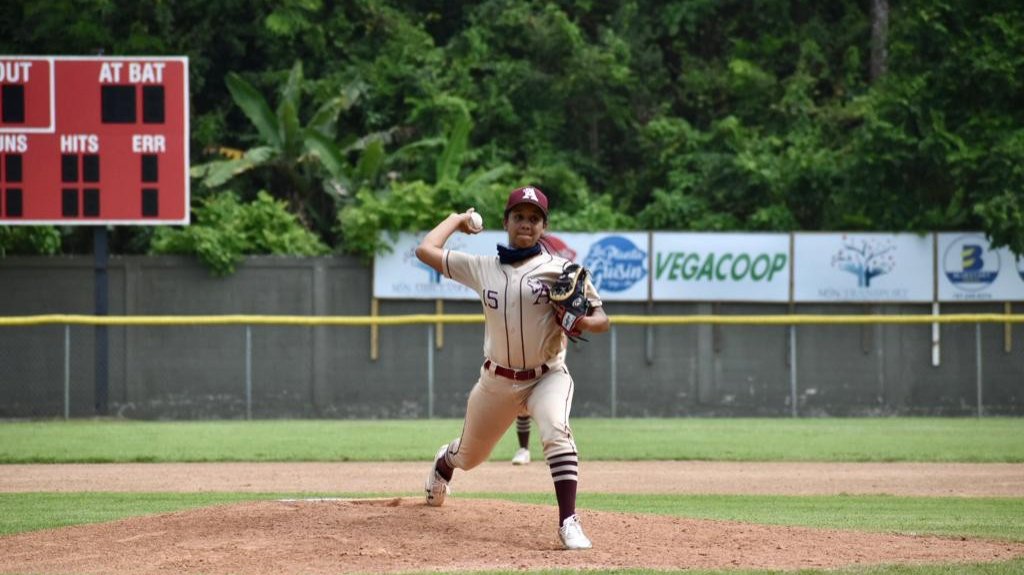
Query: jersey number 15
(490, 298)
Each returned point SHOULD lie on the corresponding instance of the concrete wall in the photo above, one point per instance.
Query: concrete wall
(667, 371)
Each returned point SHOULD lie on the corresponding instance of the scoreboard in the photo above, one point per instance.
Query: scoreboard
(94, 140)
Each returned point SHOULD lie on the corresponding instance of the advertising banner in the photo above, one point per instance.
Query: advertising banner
(970, 270)
(618, 262)
(862, 267)
(721, 267)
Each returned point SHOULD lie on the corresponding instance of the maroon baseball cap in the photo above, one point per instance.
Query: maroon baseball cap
(527, 195)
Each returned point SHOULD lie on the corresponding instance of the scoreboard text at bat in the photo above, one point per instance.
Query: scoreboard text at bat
(94, 140)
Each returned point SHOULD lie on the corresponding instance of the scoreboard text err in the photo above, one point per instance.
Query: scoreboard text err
(93, 140)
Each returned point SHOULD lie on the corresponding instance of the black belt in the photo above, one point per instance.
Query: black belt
(516, 374)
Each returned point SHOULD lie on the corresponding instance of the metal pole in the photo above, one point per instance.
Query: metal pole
(614, 394)
(977, 350)
(248, 372)
(1008, 329)
(649, 330)
(649, 343)
(439, 310)
(936, 333)
(374, 330)
(67, 372)
(430, 371)
(792, 370)
(101, 257)
(792, 327)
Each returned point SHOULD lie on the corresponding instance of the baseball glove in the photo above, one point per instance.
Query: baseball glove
(568, 297)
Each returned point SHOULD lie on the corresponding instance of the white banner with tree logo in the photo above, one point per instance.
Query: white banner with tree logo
(862, 267)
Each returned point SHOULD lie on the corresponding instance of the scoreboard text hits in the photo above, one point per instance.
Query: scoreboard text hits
(94, 140)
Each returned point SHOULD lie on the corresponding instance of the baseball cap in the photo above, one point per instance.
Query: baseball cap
(527, 195)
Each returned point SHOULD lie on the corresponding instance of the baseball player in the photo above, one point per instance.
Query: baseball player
(524, 367)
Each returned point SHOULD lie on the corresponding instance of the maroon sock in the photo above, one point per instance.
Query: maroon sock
(524, 439)
(565, 492)
(443, 469)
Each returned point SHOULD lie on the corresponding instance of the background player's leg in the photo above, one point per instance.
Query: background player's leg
(523, 430)
(522, 456)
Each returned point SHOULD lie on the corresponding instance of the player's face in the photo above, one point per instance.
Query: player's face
(525, 224)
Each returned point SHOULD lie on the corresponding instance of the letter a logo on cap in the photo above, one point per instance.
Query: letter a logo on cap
(528, 194)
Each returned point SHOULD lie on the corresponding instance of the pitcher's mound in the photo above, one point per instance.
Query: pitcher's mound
(390, 535)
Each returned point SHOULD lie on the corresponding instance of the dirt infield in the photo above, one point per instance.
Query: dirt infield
(405, 535)
(670, 477)
(402, 534)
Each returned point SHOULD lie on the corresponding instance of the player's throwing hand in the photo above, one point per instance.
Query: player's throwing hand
(473, 222)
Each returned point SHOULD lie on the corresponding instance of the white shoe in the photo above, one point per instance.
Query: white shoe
(522, 457)
(571, 534)
(436, 486)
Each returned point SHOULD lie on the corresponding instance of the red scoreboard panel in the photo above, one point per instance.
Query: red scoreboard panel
(94, 140)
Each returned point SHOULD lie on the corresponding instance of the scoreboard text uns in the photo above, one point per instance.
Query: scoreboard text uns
(94, 140)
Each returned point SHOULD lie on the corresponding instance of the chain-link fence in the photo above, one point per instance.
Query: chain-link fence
(684, 365)
(165, 372)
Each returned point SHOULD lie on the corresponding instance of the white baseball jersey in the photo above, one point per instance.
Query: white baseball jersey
(520, 329)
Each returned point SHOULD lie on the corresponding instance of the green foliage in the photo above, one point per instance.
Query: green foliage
(598, 214)
(668, 211)
(696, 115)
(372, 221)
(1003, 217)
(304, 163)
(29, 240)
(404, 207)
(293, 17)
(225, 229)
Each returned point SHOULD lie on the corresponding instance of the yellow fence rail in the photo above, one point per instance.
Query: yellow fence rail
(409, 319)
(186, 320)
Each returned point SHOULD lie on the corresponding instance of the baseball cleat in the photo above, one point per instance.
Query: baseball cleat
(436, 486)
(522, 457)
(571, 534)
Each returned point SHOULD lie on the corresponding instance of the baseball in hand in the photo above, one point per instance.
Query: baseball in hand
(477, 221)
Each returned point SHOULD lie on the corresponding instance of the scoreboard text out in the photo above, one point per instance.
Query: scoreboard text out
(94, 140)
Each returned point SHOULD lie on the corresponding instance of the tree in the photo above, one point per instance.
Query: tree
(701, 114)
(29, 240)
(416, 205)
(303, 164)
(226, 229)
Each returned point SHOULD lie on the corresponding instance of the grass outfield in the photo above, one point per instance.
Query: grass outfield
(876, 439)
